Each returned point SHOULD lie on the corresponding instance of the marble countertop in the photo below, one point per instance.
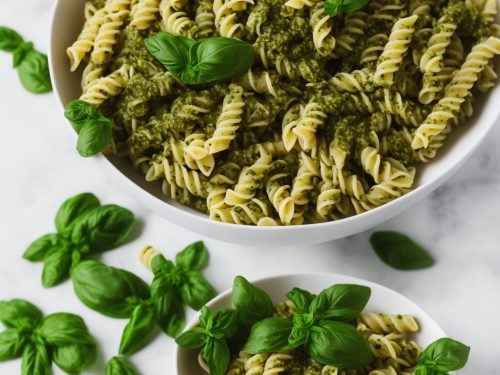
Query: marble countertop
(40, 168)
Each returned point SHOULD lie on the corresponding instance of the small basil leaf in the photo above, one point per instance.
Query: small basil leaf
(445, 355)
(196, 291)
(338, 344)
(161, 265)
(34, 73)
(334, 7)
(42, 246)
(79, 113)
(399, 251)
(18, 313)
(217, 59)
(217, 355)
(192, 339)
(139, 331)
(73, 359)
(20, 53)
(120, 365)
(12, 344)
(103, 228)
(301, 299)
(224, 323)
(108, 290)
(56, 268)
(35, 360)
(73, 208)
(194, 256)
(170, 314)
(94, 136)
(171, 50)
(269, 335)
(161, 285)
(251, 303)
(341, 302)
(206, 317)
(302, 324)
(62, 329)
(10, 40)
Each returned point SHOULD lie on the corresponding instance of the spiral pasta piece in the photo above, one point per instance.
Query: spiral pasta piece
(312, 118)
(276, 364)
(226, 17)
(107, 36)
(196, 156)
(322, 25)
(385, 346)
(436, 47)
(205, 18)
(146, 256)
(90, 74)
(304, 182)
(144, 13)
(299, 4)
(354, 28)
(261, 83)
(107, 87)
(175, 20)
(280, 197)
(290, 121)
(388, 323)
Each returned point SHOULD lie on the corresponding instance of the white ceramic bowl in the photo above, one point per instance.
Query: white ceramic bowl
(382, 300)
(67, 21)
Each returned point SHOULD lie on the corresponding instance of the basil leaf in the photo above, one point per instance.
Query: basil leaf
(103, 228)
(12, 344)
(62, 329)
(18, 313)
(139, 331)
(399, 251)
(79, 113)
(120, 365)
(171, 50)
(334, 7)
(159, 265)
(35, 361)
(10, 40)
(217, 59)
(251, 303)
(94, 136)
(161, 285)
(108, 290)
(192, 339)
(170, 314)
(217, 355)
(301, 299)
(338, 344)
(34, 73)
(193, 257)
(73, 208)
(206, 317)
(341, 302)
(224, 323)
(269, 335)
(302, 324)
(73, 359)
(20, 53)
(56, 268)
(42, 246)
(445, 355)
(196, 291)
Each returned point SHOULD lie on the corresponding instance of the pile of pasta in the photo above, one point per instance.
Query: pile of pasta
(389, 337)
(330, 121)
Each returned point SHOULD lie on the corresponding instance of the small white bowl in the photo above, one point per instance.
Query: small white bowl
(382, 300)
(67, 21)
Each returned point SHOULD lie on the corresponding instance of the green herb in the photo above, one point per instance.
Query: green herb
(62, 337)
(203, 61)
(251, 303)
(83, 227)
(334, 7)
(33, 67)
(94, 129)
(140, 330)
(269, 335)
(120, 365)
(399, 251)
(442, 356)
(182, 283)
(212, 334)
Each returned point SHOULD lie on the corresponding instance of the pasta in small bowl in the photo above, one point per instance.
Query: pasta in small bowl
(376, 330)
(284, 121)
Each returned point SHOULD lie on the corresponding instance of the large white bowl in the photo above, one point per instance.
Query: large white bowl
(382, 300)
(67, 21)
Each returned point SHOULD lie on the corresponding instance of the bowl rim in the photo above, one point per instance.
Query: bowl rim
(200, 218)
(312, 275)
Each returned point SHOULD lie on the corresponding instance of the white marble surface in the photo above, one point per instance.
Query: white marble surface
(39, 168)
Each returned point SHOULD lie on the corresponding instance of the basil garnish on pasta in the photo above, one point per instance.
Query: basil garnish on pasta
(32, 66)
(334, 7)
(399, 251)
(204, 61)
(442, 356)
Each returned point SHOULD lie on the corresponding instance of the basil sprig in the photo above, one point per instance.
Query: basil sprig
(212, 335)
(84, 226)
(181, 283)
(60, 337)
(399, 251)
(319, 325)
(32, 66)
(95, 131)
(442, 356)
(204, 61)
(334, 7)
